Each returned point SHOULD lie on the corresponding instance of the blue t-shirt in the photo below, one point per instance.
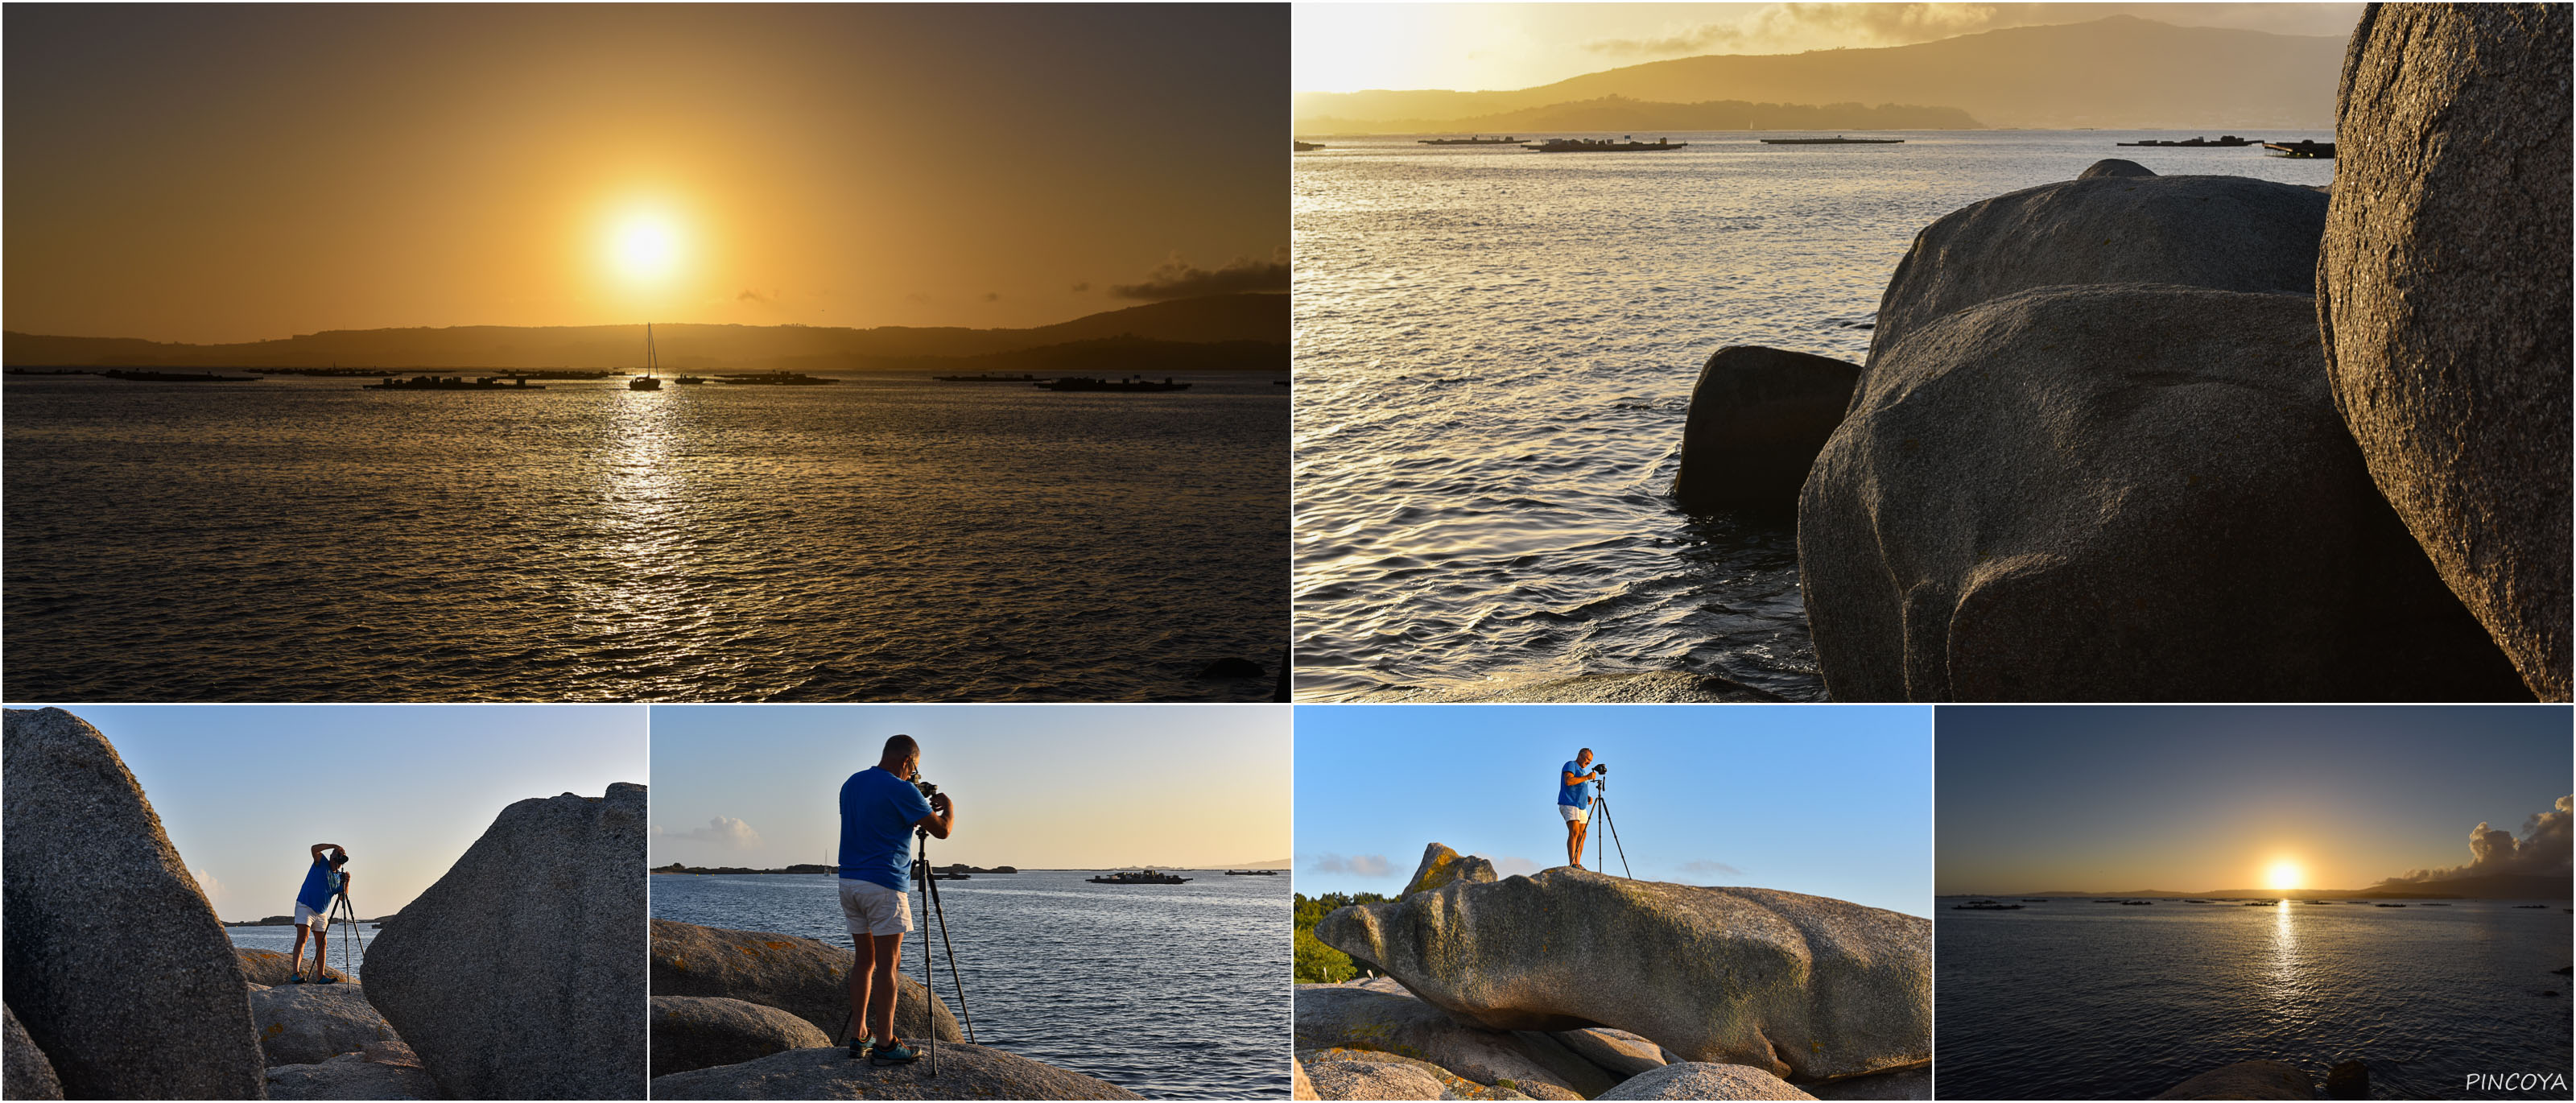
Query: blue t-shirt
(319, 884)
(878, 810)
(1578, 794)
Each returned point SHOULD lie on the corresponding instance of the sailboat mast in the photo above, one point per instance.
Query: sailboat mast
(652, 362)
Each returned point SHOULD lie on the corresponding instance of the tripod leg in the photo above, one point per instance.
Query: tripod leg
(954, 983)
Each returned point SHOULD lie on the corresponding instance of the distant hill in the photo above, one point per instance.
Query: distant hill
(2120, 72)
(1626, 115)
(1216, 318)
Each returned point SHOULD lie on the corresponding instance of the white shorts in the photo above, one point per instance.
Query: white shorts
(873, 909)
(307, 917)
(1575, 815)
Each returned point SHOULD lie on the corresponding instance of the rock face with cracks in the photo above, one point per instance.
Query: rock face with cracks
(1696, 1080)
(2247, 1080)
(26, 1073)
(802, 976)
(2121, 493)
(966, 1071)
(1443, 866)
(2226, 233)
(1757, 418)
(1800, 986)
(116, 967)
(696, 1032)
(307, 1024)
(351, 1076)
(2443, 286)
(520, 974)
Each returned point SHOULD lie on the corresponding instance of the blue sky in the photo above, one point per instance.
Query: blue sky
(1829, 800)
(1037, 786)
(244, 790)
(2209, 799)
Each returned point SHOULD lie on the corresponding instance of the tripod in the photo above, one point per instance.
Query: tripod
(931, 907)
(1601, 801)
(343, 911)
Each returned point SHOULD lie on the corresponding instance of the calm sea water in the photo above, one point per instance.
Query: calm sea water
(1495, 350)
(884, 539)
(282, 940)
(2077, 1000)
(1169, 991)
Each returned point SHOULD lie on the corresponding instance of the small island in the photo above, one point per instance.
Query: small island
(810, 869)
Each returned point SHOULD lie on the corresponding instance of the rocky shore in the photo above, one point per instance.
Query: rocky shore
(758, 1015)
(2131, 437)
(484, 991)
(1573, 985)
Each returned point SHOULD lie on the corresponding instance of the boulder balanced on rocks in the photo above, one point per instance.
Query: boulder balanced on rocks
(2124, 493)
(1757, 418)
(26, 1074)
(130, 991)
(1800, 986)
(2442, 293)
(1443, 866)
(966, 1071)
(520, 974)
(696, 1032)
(2227, 233)
(306, 1024)
(802, 976)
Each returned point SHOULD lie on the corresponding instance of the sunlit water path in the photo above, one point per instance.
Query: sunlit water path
(883, 539)
(2077, 1000)
(1495, 350)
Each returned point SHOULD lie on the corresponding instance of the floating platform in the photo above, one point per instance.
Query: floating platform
(449, 383)
(134, 376)
(776, 379)
(1475, 141)
(1121, 385)
(987, 377)
(2194, 143)
(1304, 147)
(1591, 145)
(1836, 140)
(2303, 151)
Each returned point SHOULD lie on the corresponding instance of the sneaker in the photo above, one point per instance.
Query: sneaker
(859, 1047)
(893, 1053)
(299, 979)
(327, 979)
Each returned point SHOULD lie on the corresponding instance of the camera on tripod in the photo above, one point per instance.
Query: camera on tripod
(928, 790)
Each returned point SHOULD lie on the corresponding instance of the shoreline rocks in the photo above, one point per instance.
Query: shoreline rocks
(966, 1071)
(1758, 416)
(1800, 986)
(130, 991)
(519, 974)
(2124, 493)
(804, 977)
(696, 1032)
(2444, 279)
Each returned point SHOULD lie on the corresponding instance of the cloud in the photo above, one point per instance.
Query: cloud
(2541, 851)
(1795, 27)
(724, 831)
(1362, 865)
(1511, 867)
(1704, 866)
(1178, 279)
(207, 884)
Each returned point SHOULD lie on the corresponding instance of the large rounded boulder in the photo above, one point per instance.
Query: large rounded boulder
(2121, 493)
(966, 1071)
(696, 1032)
(1800, 986)
(2227, 233)
(1698, 1080)
(116, 967)
(1757, 418)
(520, 974)
(307, 1024)
(2443, 287)
(804, 977)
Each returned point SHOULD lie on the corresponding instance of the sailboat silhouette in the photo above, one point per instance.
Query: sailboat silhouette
(647, 381)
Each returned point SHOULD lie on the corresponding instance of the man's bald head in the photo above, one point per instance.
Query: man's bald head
(900, 754)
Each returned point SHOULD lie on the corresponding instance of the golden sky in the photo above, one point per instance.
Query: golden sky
(227, 173)
(1469, 47)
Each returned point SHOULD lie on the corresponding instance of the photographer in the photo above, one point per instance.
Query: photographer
(324, 881)
(1574, 802)
(880, 808)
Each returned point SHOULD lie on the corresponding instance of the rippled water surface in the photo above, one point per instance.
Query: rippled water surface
(2077, 1000)
(282, 940)
(1495, 350)
(883, 539)
(1169, 991)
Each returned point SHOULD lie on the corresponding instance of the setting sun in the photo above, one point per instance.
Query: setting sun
(646, 247)
(2283, 874)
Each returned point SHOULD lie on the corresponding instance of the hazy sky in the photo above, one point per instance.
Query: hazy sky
(227, 173)
(244, 791)
(1037, 786)
(2207, 799)
(1468, 47)
(1834, 801)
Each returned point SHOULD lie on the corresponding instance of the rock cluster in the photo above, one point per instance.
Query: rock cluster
(1574, 985)
(134, 994)
(2444, 281)
(801, 976)
(518, 974)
